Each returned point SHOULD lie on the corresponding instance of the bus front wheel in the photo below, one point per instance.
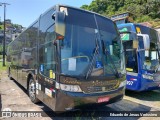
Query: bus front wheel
(32, 91)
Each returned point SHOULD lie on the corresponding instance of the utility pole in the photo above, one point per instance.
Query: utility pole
(4, 41)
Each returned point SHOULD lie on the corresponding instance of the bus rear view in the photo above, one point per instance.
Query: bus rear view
(79, 60)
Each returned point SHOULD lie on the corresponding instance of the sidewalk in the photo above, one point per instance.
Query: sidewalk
(0, 103)
(14, 97)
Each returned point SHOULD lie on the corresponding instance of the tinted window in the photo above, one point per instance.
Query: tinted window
(86, 19)
(30, 36)
(47, 53)
(78, 17)
(125, 28)
(151, 58)
(151, 32)
(106, 25)
(46, 22)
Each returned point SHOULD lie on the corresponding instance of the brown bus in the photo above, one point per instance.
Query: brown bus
(69, 57)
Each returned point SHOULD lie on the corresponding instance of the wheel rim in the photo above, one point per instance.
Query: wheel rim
(32, 89)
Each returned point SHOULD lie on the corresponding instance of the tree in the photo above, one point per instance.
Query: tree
(143, 10)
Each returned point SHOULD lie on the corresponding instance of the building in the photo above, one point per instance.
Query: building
(158, 29)
(146, 24)
(8, 21)
(126, 17)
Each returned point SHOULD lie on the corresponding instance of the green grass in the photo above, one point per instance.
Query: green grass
(3, 68)
(1, 27)
(1, 56)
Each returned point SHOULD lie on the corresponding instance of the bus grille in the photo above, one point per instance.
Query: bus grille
(94, 89)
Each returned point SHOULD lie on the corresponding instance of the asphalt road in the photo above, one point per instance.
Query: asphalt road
(14, 97)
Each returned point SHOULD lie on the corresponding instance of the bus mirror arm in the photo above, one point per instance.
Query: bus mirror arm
(146, 40)
(59, 18)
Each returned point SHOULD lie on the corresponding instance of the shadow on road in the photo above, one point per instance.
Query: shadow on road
(146, 95)
(101, 113)
(97, 112)
(20, 86)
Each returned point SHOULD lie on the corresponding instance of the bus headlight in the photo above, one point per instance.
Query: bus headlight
(70, 88)
(122, 84)
(147, 77)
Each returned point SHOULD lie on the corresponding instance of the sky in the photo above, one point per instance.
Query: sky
(24, 12)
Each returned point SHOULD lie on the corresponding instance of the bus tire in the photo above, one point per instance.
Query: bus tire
(32, 90)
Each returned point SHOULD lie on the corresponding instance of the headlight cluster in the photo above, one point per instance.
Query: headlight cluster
(70, 88)
(147, 77)
(122, 84)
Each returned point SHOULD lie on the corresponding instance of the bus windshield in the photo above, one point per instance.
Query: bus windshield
(149, 58)
(82, 47)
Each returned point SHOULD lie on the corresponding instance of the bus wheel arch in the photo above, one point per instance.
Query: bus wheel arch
(31, 88)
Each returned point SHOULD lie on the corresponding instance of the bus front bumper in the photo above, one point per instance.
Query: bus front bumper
(70, 100)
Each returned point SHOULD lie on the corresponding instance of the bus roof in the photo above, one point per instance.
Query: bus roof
(153, 34)
(125, 24)
(134, 24)
(63, 5)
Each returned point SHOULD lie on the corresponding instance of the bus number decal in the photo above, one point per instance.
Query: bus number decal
(129, 82)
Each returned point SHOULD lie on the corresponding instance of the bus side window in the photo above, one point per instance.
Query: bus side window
(46, 47)
(147, 63)
(47, 59)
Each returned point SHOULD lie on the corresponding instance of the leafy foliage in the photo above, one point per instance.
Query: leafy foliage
(143, 10)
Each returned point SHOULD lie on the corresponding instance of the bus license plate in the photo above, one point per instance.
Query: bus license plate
(103, 99)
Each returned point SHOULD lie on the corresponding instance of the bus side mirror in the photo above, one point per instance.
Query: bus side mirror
(146, 40)
(59, 18)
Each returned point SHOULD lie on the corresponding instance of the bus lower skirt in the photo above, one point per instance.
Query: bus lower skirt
(64, 102)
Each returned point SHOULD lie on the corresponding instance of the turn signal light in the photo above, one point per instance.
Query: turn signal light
(59, 37)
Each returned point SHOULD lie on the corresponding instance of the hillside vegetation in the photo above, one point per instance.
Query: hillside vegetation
(143, 10)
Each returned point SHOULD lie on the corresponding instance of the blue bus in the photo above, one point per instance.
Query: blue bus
(142, 62)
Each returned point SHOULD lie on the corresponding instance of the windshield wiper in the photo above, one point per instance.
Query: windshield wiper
(96, 52)
(114, 66)
(111, 60)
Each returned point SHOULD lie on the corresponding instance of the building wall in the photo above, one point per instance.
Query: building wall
(158, 29)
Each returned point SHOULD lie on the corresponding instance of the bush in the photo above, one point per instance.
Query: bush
(1, 56)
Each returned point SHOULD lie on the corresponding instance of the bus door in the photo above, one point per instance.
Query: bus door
(130, 44)
(47, 64)
(131, 64)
